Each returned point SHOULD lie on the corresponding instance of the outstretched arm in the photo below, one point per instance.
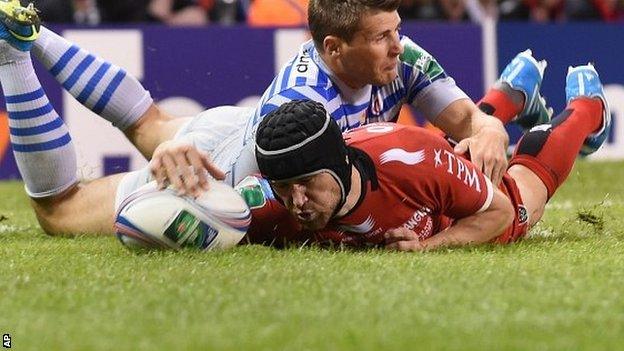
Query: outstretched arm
(483, 135)
(477, 228)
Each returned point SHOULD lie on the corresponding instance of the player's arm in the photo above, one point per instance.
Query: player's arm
(483, 135)
(446, 106)
(452, 186)
(474, 229)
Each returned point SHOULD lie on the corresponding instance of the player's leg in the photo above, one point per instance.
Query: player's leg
(217, 131)
(38, 135)
(84, 208)
(515, 96)
(545, 155)
(101, 86)
(152, 128)
(107, 90)
(44, 151)
(88, 207)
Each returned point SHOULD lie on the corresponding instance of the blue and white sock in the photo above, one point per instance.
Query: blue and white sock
(41, 143)
(102, 87)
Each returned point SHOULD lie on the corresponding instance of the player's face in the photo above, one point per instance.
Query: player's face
(371, 57)
(311, 200)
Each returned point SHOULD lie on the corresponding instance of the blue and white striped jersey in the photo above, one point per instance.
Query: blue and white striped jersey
(421, 82)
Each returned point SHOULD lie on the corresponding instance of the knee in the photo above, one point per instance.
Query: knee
(52, 215)
(50, 226)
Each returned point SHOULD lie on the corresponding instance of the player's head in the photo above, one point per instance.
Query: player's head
(300, 150)
(359, 37)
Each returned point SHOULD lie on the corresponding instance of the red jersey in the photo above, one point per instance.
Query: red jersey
(420, 185)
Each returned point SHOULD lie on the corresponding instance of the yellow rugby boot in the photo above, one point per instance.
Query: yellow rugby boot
(19, 25)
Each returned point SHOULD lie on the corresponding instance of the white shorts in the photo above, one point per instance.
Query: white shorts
(218, 131)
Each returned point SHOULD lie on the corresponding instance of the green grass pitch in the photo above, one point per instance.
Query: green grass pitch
(559, 289)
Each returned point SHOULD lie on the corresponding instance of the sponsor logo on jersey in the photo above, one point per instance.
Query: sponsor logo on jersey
(255, 191)
(421, 60)
(400, 155)
(455, 166)
(303, 62)
(416, 218)
(415, 221)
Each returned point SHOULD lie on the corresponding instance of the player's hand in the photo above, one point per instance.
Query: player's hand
(184, 167)
(402, 239)
(487, 151)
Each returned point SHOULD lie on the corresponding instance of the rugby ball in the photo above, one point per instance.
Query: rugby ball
(151, 218)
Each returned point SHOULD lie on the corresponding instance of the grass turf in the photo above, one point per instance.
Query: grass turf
(559, 289)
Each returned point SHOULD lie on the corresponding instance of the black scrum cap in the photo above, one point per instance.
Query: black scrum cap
(299, 139)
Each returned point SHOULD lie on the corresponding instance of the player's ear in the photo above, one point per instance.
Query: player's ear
(332, 45)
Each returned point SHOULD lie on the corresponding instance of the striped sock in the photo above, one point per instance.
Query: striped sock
(102, 87)
(40, 140)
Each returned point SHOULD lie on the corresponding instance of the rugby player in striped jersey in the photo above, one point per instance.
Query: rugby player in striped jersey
(362, 70)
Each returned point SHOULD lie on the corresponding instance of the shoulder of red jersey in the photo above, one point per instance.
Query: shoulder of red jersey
(385, 131)
(391, 143)
(418, 162)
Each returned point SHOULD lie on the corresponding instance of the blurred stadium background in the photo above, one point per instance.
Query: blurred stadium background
(194, 54)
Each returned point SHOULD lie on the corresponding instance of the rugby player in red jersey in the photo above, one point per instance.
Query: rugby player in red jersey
(212, 141)
(403, 187)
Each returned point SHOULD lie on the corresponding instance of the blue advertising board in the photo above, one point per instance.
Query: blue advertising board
(214, 66)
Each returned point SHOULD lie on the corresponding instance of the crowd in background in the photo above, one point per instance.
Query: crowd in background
(514, 10)
(294, 13)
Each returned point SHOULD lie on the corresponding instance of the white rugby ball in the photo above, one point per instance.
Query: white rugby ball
(150, 218)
